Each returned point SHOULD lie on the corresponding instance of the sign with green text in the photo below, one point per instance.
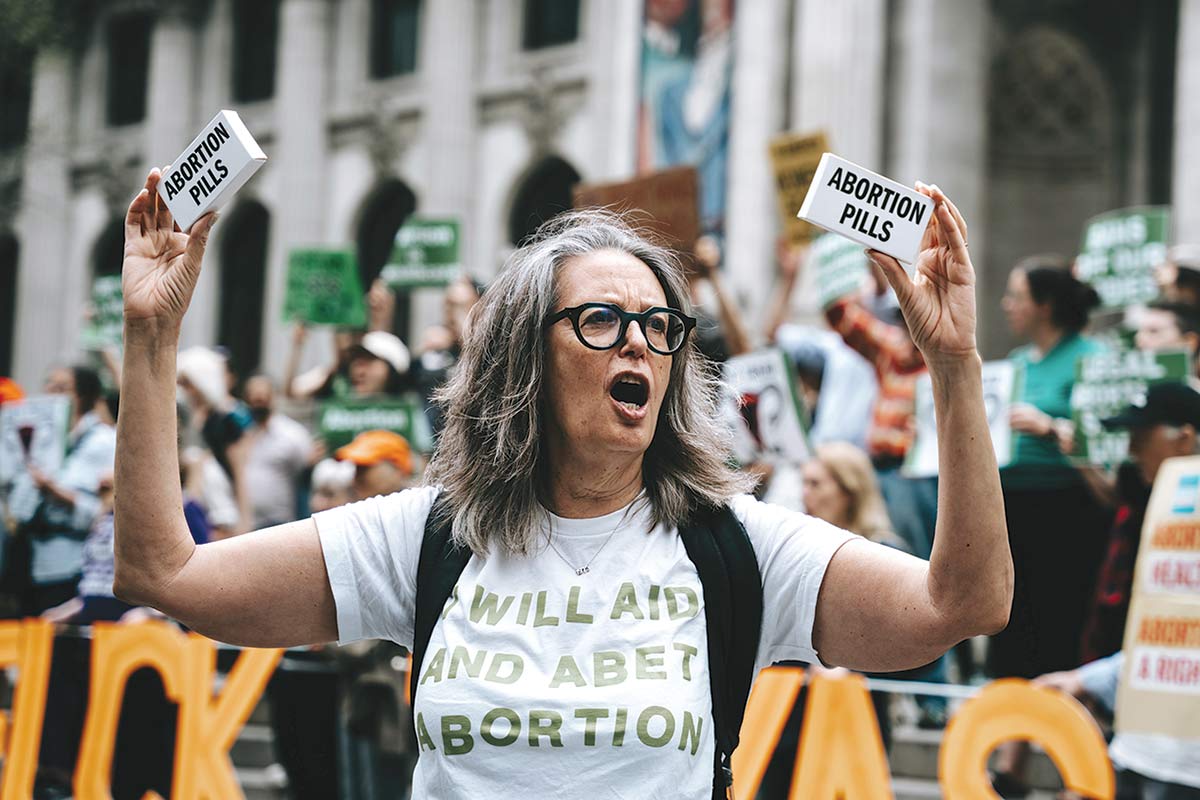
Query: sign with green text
(427, 252)
(1105, 384)
(106, 315)
(1120, 251)
(840, 267)
(323, 288)
(339, 421)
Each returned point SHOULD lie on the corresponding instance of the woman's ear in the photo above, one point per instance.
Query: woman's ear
(1186, 441)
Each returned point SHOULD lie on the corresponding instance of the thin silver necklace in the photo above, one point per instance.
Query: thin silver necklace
(586, 568)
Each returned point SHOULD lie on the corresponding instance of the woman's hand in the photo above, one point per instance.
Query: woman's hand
(938, 301)
(161, 265)
(1024, 418)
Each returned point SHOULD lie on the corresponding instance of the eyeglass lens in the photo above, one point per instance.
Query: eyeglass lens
(601, 326)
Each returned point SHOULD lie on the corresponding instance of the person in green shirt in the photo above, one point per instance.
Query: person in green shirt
(1056, 525)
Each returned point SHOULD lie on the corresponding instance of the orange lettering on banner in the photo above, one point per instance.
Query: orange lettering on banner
(27, 645)
(841, 752)
(767, 712)
(207, 726)
(1016, 709)
(1177, 535)
(1170, 631)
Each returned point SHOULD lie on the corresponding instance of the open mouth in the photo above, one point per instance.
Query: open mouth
(631, 391)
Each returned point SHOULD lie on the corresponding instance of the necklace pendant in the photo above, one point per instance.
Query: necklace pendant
(583, 570)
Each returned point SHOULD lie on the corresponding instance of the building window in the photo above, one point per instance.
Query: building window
(128, 64)
(394, 27)
(243, 281)
(8, 301)
(545, 193)
(255, 34)
(16, 84)
(109, 251)
(550, 22)
(383, 212)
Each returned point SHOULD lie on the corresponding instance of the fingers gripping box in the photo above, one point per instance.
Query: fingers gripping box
(211, 169)
(870, 209)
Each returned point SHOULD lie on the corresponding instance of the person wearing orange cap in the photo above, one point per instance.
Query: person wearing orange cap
(382, 460)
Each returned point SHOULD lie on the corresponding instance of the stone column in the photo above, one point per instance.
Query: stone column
(1186, 172)
(169, 98)
(758, 105)
(614, 31)
(45, 223)
(298, 157)
(939, 112)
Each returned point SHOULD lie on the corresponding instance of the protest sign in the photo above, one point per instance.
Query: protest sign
(1000, 388)
(872, 210)
(106, 320)
(32, 431)
(323, 288)
(211, 169)
(1105, 384)
(339, 421)
(794, 158)
(770, 418)
(426, 253)
(1120, 251)
(1160, 684)
(667, 197)
(839, 266)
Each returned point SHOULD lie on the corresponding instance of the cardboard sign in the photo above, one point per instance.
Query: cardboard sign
(872, 210)
(668, 197)
(426, 254)
(210, 169)
(339, 421)
(1000, 388)
(323, 288)
(32, 431)
(1108, 382)
(1160, 684)
(770, 415)
(106, 323)
(794, 158)
(1120, 251)
(840, 267)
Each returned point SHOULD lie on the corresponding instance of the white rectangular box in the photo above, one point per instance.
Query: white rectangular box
(212, 168)
(874, 211)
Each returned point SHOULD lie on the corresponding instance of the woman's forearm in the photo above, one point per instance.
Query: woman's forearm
(152, 542)
(970, 572)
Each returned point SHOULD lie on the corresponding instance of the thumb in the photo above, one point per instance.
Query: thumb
(198, 237)
(896, 276)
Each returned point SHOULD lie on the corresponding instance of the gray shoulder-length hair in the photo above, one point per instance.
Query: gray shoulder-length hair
(490, 460)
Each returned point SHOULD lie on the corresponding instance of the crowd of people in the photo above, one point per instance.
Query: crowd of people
(342, 726)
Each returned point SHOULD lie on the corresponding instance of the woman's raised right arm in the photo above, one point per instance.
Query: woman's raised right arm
(264, 589)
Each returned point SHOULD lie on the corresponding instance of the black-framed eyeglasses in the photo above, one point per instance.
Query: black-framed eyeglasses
(601, 326)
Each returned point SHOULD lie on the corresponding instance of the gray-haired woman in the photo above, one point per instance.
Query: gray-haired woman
(580, 434)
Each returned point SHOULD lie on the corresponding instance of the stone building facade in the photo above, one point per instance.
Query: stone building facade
(1031, 115)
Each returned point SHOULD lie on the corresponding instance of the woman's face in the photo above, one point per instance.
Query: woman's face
(368, 375)
(1019, 307)
(583, 418)
(824, 498)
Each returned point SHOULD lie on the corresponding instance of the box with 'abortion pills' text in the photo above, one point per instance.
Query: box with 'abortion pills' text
(870, 209)
(212, 168)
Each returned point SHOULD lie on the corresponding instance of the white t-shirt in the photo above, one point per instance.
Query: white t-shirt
(541, 683)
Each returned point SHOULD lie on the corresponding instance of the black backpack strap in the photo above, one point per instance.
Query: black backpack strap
(724, 558)
(438, 570)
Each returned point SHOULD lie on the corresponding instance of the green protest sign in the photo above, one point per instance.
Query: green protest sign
(426, 253)
(106, 318)
(1120, 251)
(339, 421)
(323, 288)
(1105, 384)
(840, 267)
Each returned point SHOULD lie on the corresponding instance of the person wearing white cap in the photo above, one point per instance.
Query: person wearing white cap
(378, 364)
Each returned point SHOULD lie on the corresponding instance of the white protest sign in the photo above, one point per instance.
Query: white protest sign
(1159, 690)
(210, 169)
(770, 415)
(32, 431)
(870, 209)
(999, 389)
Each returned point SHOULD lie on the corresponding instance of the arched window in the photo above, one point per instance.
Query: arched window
(109, 250)
(255, 37)
(243, 280)
(8, 300)
(545, 193)
(128, 62)
(383, 212)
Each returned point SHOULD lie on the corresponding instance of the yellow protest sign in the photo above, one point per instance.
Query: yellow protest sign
(26, 645)
(794, 160)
